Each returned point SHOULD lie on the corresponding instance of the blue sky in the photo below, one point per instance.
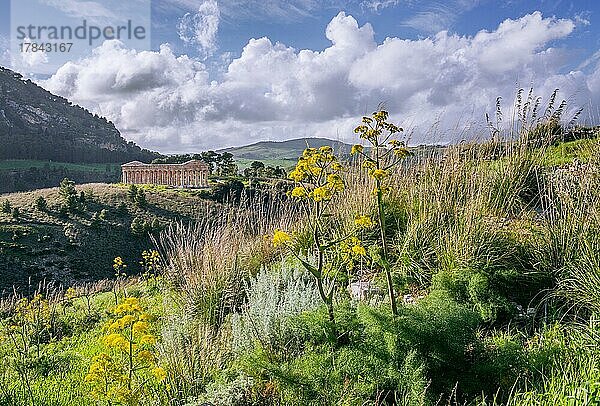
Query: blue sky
(300, 24)
(229, 72)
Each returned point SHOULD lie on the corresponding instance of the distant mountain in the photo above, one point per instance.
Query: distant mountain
(37, 125)
(284, 150)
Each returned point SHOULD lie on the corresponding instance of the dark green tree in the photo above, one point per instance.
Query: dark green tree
(140, 198)
(68, 193)
(132, 193)
(226, 164)
(41, 204)
(210, 158)
(6, 207)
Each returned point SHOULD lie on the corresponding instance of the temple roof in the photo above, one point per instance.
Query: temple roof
(192, 163)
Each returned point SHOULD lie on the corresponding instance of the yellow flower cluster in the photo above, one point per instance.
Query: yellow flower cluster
(372, 129)
(150, 263)
(317, 172)
(119, 267)
(352, 250)
(280, 238)
(363, 222)
(379, 174)
(357, 149)
(131, 351)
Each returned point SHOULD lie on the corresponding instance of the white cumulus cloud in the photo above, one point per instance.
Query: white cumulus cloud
(201, 28)
(273, 91)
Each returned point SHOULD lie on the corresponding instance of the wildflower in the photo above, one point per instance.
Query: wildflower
(140, 326)
(299, 192)
(148, 339)
(126, 320)
(356, 149)
(379, 174)
(296, 175)
(401, 152)
(146, 356)
(320, 194)
(145, 317)
(280, 238)
(363, 222)
(359, 250)
(159, 373)
(335, 182)
(369, 164)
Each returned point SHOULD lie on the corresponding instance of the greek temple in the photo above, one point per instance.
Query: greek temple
(191, 174)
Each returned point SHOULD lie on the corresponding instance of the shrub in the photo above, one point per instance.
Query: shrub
(41, 204)
(272, 298)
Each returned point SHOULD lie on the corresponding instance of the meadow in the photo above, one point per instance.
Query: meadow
(480, 285)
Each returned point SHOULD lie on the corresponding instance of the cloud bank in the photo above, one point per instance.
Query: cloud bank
(272, 91)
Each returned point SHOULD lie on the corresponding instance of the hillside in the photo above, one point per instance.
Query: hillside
(37, 125)
(283, 153)
(75, 247)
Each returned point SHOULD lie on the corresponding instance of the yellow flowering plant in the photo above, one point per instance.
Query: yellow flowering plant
(123, 372)
(385, 153)
(119, 267)
(151, 267)
(30, 326)
(324, 254)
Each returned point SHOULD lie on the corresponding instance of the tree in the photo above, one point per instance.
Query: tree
(140, 198)
(211, 159)
(16, 213)
(226, 164)
(68, 193)
(6, 207)
(256, 169)
(132, 193)
(41, 204)
(276, 172)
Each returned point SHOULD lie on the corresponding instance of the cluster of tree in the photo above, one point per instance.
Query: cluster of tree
(8, 209)
(137, 196)
(219, 164)
(258, 169)
(142, 227)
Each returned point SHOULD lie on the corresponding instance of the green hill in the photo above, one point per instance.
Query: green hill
(282, 153)
(47, 245)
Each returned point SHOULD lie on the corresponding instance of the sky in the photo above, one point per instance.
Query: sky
(219, 73)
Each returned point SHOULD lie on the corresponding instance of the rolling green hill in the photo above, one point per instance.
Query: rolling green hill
(282, 153)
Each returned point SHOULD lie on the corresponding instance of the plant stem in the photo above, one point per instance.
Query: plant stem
(386, 264)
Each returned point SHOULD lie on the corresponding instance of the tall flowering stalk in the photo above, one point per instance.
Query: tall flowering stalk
(386, 153)
(318, 181)
(122, 373)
